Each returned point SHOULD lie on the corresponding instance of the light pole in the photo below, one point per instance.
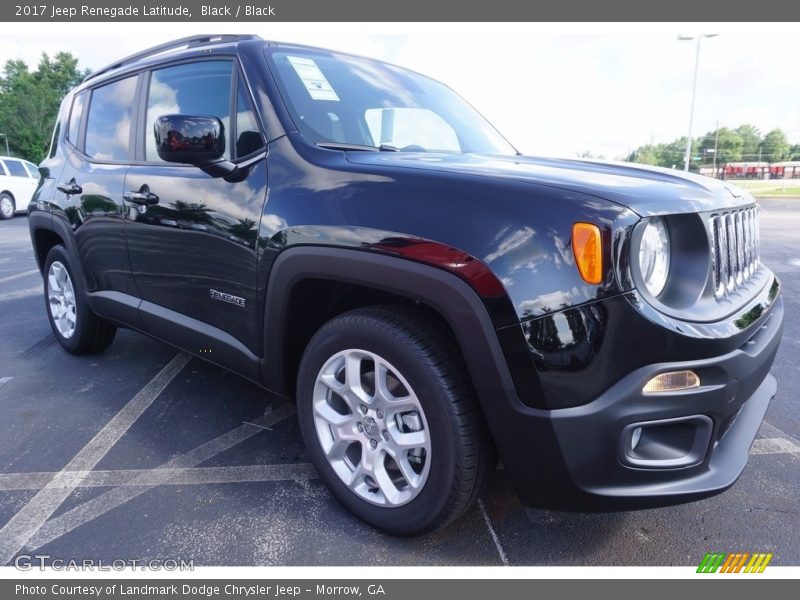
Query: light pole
(8, 152)
(699, 38)
(716, 148)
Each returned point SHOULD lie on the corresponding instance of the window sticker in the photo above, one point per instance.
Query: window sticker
(319, 88)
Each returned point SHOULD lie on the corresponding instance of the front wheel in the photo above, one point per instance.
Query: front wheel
(391, 421)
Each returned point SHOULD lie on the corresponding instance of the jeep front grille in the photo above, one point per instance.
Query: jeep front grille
(734, 248)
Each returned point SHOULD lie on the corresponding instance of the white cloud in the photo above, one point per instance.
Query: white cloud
(517, 239)
(549, 301)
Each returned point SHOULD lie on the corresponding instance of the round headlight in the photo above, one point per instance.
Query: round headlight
(654, 256)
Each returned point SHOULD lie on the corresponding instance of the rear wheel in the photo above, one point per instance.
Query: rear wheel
(7, 206)
(391, 421)
(75, 326)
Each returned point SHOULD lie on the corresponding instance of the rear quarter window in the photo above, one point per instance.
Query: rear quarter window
(73, 125)
(54, 140)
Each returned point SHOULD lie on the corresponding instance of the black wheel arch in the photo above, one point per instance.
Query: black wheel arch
(446, 294)
(499, 369)
(46, 232)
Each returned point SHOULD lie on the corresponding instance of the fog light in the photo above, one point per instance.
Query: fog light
(672, 382)
(635, 437)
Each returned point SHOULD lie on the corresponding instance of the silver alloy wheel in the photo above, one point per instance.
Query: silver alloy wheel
(61, 297)
(6, 206)
(371, 427)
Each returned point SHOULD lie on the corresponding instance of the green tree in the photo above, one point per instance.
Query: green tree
(673, 154)
(645, 155)
(588, 154)
(670, 156)
(775, 146)
(751, 140)
(733, 145)
(29, 101)
(729, 146)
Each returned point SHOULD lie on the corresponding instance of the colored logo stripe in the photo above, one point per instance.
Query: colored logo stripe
(711, 562)
(734, 562)
(758, 563)
(726, 567)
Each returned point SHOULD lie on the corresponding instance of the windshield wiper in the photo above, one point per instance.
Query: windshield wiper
(357, 147)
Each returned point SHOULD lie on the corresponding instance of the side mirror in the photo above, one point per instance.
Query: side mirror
(194, 140)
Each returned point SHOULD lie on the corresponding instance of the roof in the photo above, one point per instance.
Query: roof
(186, 43)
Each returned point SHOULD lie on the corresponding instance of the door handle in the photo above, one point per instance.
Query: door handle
(69, 187)
(143, 197)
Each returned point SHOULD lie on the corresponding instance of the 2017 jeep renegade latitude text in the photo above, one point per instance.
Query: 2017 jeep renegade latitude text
(356, 237)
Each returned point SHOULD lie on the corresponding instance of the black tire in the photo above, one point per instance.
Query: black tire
(463, 456)
(92, 334)
(9, 198)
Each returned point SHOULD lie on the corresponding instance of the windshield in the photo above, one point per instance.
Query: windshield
(346, 100)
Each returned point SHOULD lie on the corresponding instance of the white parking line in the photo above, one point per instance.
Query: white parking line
(27, 293)
(493, 533)
(111, 499)
(23, 525)
(19, 275)
(779, 439)
(14, 482)
(774, 446)
(775, 432)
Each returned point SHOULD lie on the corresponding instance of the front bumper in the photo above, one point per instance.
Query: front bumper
(579, 458)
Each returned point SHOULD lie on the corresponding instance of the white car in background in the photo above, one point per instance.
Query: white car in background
(18, 181)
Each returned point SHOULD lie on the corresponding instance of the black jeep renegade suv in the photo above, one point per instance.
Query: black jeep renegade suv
(356, 237)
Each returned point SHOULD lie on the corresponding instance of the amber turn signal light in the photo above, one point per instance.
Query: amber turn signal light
(672, 382)
(587, 246)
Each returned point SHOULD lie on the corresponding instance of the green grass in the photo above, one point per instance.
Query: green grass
(770, 187)
(789, 191)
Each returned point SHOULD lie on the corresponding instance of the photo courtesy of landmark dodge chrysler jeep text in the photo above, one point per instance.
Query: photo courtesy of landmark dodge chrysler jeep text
(355, 237)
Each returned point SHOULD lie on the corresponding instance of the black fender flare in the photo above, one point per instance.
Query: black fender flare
(457, 303)
(446, 293)
(39, 220)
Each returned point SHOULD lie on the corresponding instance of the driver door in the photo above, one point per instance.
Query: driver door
(193, 252)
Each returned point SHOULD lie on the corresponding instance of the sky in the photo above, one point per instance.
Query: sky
(551, 89)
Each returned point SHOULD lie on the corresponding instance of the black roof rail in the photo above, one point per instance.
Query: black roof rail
(190, 42)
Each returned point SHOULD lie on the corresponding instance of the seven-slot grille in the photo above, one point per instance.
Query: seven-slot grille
(734, 248)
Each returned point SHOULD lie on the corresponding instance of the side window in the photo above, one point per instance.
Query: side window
(74, 123)
(15, 168)
(108, 127)
(248, 136)
(33, 170)
(3, 170)
(197, 88)
(401, 127)
(54, 141)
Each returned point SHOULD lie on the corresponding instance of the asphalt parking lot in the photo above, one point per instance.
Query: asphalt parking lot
(194, 463)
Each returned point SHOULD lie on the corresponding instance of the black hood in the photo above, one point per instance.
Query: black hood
(646, 190)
